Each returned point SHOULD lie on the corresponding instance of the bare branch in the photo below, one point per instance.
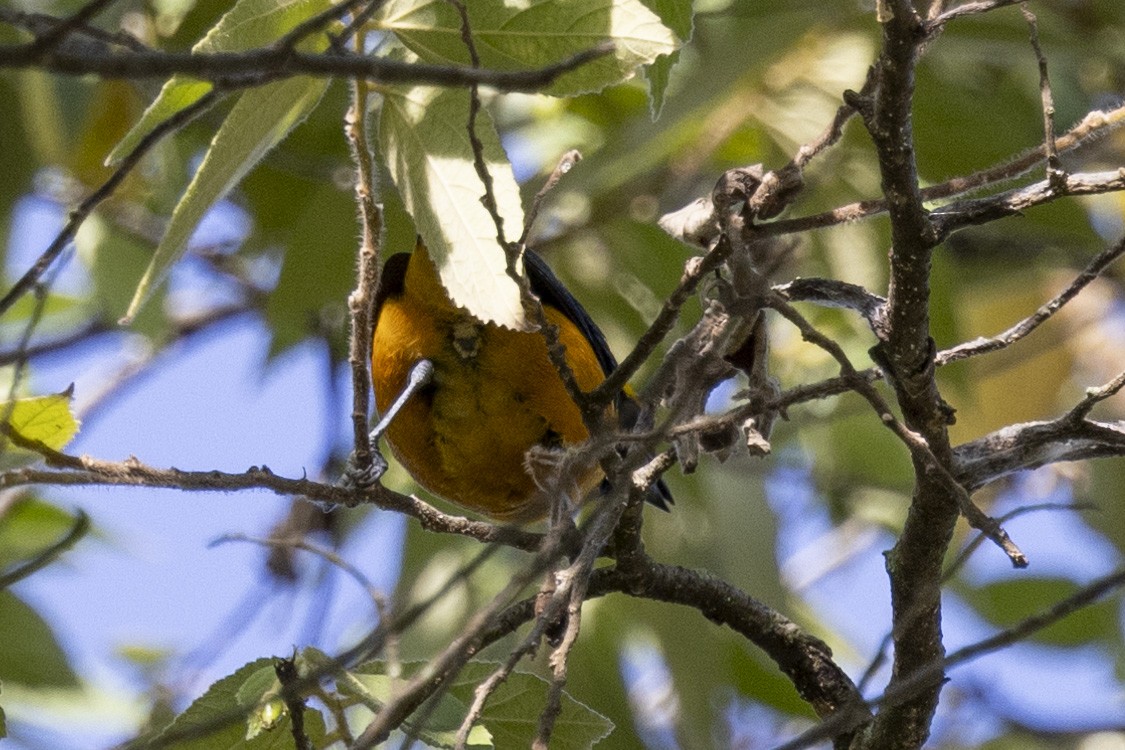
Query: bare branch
(969, 9)
(951, 217)
(918, 445)
(259, 66)
(566, 163)
(378, 599)
(1034, 444)
(87, 471)
(694, 271)
(41, 25)
(52, 38)
(906, 356)
(1002, 340)
(1055, 174)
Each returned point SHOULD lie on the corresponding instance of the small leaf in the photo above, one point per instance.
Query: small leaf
(46, 419)
(424, 139)
(534, 34)
(249, 24)
(258, 122)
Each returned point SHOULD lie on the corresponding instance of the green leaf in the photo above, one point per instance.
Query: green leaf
(30, 655)
(534, 34)
(249, 24)
(424, 139)
(3, 724)
(1006, 603)
(219, 718)
(371, 686)
(512, 712)
(318, 269)
(260, 119)
(510, 717)
(677, 16)
(46, 419)
(29, 526)
(179, 92)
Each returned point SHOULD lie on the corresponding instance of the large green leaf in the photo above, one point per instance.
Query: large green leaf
(30, 654)
(249, 24)
(424, 138)
(534, 34)
(219, 718)
(260, 119)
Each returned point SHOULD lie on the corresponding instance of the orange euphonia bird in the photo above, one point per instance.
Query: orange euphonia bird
(492, 395)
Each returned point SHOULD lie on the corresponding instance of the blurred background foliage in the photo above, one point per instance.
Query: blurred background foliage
(803, 529)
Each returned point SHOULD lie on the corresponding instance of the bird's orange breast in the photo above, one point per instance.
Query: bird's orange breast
(495, 395)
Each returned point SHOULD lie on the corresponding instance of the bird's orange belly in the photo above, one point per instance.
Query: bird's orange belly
(494, 396)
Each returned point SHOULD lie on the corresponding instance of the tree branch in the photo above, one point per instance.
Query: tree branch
(77, 471)
(906, 355)
(259, 66)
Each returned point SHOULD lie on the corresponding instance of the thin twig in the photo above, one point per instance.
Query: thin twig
(450, 661)
(969, 9)
(1055, 174)
(40, 24)
(959, 562)
(317, 23)
(361, 302)
(695, 271)
(1021, 329)
(1094, 124)
(73, 471)
(513, 251)
(378, 599)
(51, 39)
(566, 163)
(1095, 396)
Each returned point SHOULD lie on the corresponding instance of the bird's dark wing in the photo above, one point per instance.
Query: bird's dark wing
(552, 293)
